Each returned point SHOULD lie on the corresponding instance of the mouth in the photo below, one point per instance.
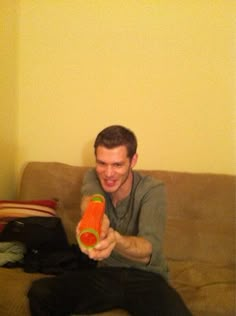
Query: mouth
(109, 182)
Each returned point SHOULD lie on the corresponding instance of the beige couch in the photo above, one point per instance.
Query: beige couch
(200, 235)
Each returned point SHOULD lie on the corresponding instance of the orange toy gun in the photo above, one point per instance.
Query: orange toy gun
(88, 229)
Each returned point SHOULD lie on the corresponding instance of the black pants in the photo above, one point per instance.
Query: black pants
(96, 290)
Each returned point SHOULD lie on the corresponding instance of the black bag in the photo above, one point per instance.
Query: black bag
(36, 232)
(48, 250)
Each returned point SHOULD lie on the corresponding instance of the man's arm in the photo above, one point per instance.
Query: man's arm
(131, 247)
(134, 248)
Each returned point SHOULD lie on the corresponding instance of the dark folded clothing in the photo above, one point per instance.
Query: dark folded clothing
(56, 262)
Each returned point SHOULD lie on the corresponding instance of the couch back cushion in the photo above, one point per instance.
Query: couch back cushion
(200, 210)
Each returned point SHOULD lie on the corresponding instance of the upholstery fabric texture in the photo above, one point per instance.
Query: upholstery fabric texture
(199, 239)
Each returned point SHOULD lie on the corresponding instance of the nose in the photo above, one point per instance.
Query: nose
(109, 171)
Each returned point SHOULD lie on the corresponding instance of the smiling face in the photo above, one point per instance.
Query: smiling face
(114, 170)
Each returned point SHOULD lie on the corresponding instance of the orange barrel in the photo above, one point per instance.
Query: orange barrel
(88, 229)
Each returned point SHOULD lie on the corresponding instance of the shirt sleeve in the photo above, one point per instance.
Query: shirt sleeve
(152, 219)
(91, 184)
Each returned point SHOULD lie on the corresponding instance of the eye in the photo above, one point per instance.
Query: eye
(118, 165)
(100, 163)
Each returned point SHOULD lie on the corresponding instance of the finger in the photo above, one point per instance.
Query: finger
(108, 243)
(104, 227)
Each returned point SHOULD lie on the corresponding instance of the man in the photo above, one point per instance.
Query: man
(131, 272)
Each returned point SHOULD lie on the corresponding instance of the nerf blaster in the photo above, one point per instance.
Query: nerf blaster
(88, 229)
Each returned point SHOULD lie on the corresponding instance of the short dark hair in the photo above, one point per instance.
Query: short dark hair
(117, 135)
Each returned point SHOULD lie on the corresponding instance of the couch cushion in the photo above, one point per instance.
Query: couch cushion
(209, 240)
(209, 289)
(14, 287)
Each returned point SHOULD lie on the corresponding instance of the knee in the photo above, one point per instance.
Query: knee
(39, 290)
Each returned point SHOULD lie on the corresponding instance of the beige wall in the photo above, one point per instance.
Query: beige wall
(8, 97)
(166, 69)
(163, 68)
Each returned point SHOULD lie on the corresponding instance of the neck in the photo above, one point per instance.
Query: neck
(123, 191)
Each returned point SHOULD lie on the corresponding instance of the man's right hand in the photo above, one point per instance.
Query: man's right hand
(106, 243)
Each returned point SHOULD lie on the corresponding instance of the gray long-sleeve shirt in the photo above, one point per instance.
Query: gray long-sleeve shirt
(142, 213)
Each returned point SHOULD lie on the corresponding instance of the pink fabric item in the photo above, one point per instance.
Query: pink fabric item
(10, 210)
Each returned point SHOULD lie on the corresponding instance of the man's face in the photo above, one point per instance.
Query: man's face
(113, 168)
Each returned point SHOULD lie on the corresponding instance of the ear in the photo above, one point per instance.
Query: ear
(134, 160)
